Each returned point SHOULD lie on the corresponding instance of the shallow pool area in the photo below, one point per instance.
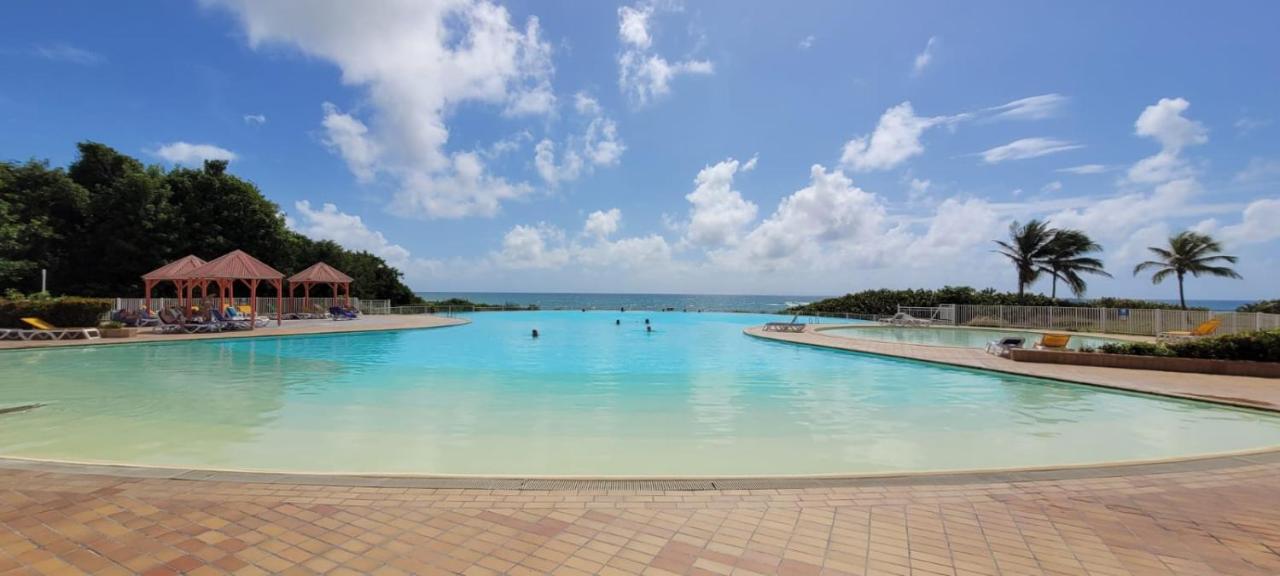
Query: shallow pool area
(958, 337)
(595, 394)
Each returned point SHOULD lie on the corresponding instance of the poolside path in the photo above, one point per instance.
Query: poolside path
(1194, 521)
(365, 323)
(1234, 390)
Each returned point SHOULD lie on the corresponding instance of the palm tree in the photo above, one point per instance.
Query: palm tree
(1028, 245)
(1069, 257)
(1188, 253)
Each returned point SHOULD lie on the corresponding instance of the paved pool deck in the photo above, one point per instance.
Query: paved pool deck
(1210, 516)
(365, 323)
(1234, 390)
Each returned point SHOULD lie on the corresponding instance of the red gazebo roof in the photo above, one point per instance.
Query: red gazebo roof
(235, 265)
(320, 273)
(176, 270)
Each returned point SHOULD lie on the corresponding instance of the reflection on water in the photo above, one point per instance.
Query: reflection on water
(696, 396)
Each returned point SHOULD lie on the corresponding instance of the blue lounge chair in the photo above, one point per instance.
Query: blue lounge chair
(340, 313)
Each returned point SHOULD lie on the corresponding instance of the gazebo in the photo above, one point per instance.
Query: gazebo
(175, 272)
(320, 273)
(236, 265)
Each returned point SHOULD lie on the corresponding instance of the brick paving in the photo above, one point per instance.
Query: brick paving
(1224, 520)
(1235, 390)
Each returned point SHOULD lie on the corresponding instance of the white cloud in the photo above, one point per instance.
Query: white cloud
(925, 56)
(956, 227)
(807, 42)
(350, 138)
(719, 213)
(1027, 148)
(348, 230)
(586, 104)
(69, 53)
(1259, 170)
(599, 145)
(532, 247)
(551, 171)
(751, 164)
(417, 61)
(1164, 122)
(895, 139)
(917, 188)
(1257, 223)
(1084, 169)
(1031, 108)
(1247, 125)
(255, 119)
(192, 154)
(643, 75)
(602, 224)
(829, 217)
(1055, 186)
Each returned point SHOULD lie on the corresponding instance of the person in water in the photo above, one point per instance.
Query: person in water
(648, 328)
(617, 322)
(646, 321)
(535, 332)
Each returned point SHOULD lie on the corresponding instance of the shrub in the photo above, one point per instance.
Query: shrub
(1264, 306)
(886, 302)
(1136, 349)
(66, 312)
(1250, 346)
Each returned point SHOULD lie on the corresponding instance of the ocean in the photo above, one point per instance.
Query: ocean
(709, 302)
(569, 300)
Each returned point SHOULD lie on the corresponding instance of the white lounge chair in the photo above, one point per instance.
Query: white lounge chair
(1002, 346)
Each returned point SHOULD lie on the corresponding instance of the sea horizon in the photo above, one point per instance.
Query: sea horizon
(694, 301)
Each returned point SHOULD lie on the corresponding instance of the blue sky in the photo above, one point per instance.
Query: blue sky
(729, 147)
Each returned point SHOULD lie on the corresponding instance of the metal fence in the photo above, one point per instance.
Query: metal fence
(1139, 322)
(267, 304)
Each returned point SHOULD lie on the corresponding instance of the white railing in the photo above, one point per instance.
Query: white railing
(1135, 321)
(266, 304)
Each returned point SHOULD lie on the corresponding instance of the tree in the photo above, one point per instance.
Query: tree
(1027, 248)
(45, 215)
(1069, 257)
(1188, 253)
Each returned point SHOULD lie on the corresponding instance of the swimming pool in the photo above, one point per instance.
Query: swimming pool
(960, 337)
(588, 397)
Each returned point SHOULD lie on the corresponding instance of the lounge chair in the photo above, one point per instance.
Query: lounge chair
(904, 319)
(147, 318)
(1206, 328)
(172, 322)
(49, 331)
(792, 326)
(1002, 346)
(242, 314)
(1053, 341)
(228, 323)
(340, 313)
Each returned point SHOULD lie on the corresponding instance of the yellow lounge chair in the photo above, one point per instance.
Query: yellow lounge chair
(1054, 342)
(49, 331)
(1206, 328)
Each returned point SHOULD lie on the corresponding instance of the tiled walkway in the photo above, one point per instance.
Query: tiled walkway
(1217, 521)
(1236, 390)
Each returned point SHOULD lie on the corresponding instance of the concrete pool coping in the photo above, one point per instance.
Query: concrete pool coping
(1196, 463)
(1237, 391)
(878, 325)
(366, 323)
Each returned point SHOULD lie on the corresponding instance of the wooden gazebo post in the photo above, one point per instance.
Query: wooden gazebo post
(175, 272)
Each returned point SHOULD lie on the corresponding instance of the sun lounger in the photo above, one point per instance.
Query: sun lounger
(1002, 346)
(339, 313)
(1054, 342)
(229, 323)
(242, 314)
(49, 331)
(1206, 328)
(904, 319)
(792, 326)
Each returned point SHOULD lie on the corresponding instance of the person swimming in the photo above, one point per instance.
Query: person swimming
(646, 321)
(648, 328)
(617, 322)
(535, 332)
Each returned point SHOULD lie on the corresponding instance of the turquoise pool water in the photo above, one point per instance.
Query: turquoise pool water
(954, 337)
(695, 397)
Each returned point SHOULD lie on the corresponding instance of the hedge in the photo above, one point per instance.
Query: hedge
(68, 312)
(885, 301)
(1264, 306)
(1261, 346)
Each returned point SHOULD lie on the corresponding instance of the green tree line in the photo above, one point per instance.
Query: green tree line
(104, 221)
